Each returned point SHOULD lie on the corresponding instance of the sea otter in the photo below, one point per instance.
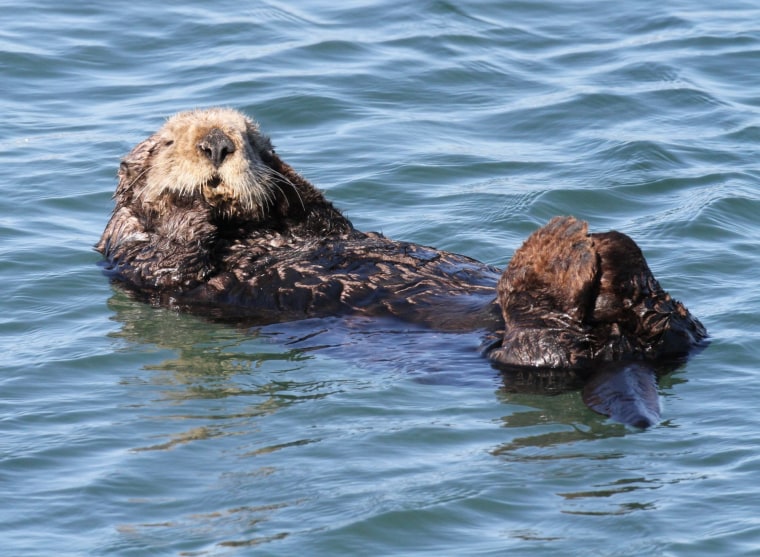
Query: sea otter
(209, 219)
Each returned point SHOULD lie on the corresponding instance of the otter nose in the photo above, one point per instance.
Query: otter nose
(215, 146)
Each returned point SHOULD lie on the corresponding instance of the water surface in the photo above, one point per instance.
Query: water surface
(129, 430)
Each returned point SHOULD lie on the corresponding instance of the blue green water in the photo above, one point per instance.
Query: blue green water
(127, 430)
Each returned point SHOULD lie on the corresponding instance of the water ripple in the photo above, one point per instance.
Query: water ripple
(128, 429)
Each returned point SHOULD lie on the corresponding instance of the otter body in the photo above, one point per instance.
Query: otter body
(208, 218)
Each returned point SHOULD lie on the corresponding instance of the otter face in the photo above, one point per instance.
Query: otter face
(214, 154)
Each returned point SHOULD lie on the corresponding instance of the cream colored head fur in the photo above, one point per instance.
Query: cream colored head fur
(178, 165)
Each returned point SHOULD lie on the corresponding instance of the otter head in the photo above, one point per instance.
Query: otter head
(215, 155)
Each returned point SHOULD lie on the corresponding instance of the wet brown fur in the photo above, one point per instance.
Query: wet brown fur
(208, 218)
(570, 298)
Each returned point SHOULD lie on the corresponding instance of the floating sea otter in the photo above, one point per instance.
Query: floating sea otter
(209, 219)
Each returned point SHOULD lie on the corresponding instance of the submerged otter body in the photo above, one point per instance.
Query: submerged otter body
(209, 219)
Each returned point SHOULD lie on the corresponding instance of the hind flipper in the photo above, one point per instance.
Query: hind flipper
(546, 294)
(626, 392)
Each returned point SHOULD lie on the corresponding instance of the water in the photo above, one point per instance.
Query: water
(126, 430)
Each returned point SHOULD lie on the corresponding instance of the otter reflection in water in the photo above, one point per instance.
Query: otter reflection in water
(209, 219)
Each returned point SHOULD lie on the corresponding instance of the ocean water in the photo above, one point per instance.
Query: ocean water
(128, 430)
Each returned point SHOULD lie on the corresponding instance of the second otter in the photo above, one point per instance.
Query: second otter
(208, 218)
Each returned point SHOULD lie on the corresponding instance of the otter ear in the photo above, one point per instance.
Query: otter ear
(133, 166)
(260, 142)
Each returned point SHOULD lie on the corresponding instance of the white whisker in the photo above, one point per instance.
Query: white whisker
(277, 174)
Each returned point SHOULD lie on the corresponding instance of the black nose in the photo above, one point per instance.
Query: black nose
(215, 146)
